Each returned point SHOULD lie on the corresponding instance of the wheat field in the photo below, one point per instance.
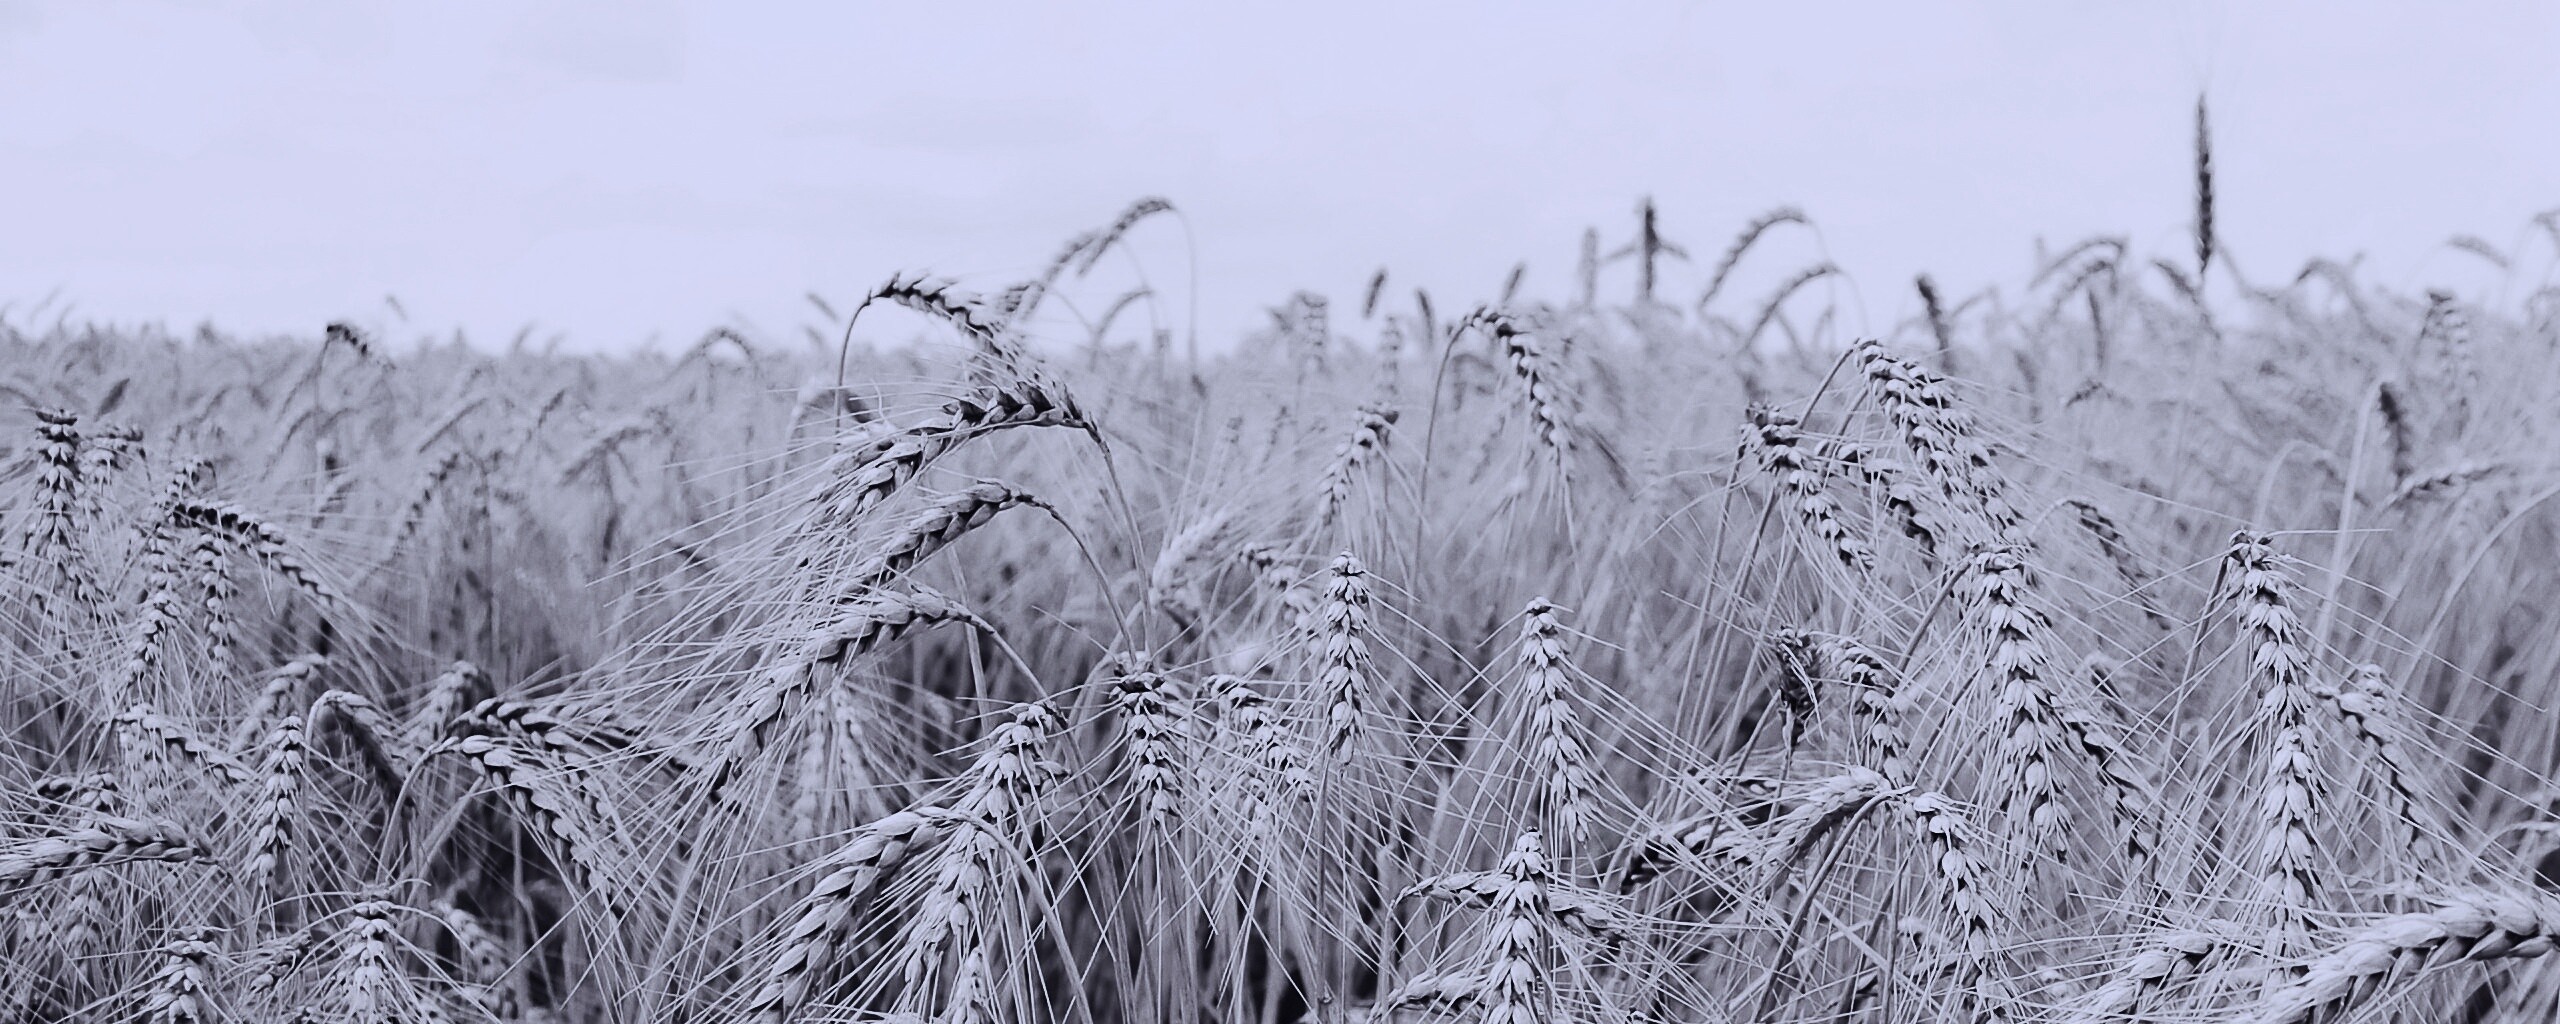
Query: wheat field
(2119, 649)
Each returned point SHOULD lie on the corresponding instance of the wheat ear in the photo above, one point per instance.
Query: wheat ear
(2471, 927)
(104, 842)
(447, 694)
(272, 818)
(942, 523)
(994, 825)
(1560, 758)
(1779, 447)
(541, 802)
(1276, 760)
(1511, 988)
(861, 479)
(2102, 529)
(853, 873)
(1151, 724)
(1338, 629)
(2368, 706)
(2278, 654)
(862, 625)
(1939, 433)
(1997, 592)
(143, 728)
(2170, 956)
(178, 992)
(1366, 442)
(373, 733)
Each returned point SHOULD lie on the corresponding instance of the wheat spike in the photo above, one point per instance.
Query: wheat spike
(2467, 927)
(1367, 441)
(179, 990)
(861, 625)
(538, 794)
(273, 816)
(853, 873)
(2169, 956)
(2279, 655)
(941, 523)
(373, 733)
(1151, 724)
(146, 730)
(2369, 707)
(1780, 449)
(1997, 592)
(104, 842)
(1338, 630)
(1560, 761)
(1538, 372)
(1939, 433)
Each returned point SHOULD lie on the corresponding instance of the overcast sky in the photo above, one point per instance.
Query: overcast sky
(617, 170)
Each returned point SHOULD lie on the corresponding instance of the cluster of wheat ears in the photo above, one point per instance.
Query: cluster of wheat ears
(2111, 655)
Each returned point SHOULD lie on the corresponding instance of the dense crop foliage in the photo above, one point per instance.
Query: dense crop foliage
(2111, 655)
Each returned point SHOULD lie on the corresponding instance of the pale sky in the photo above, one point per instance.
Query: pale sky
(617, 170)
